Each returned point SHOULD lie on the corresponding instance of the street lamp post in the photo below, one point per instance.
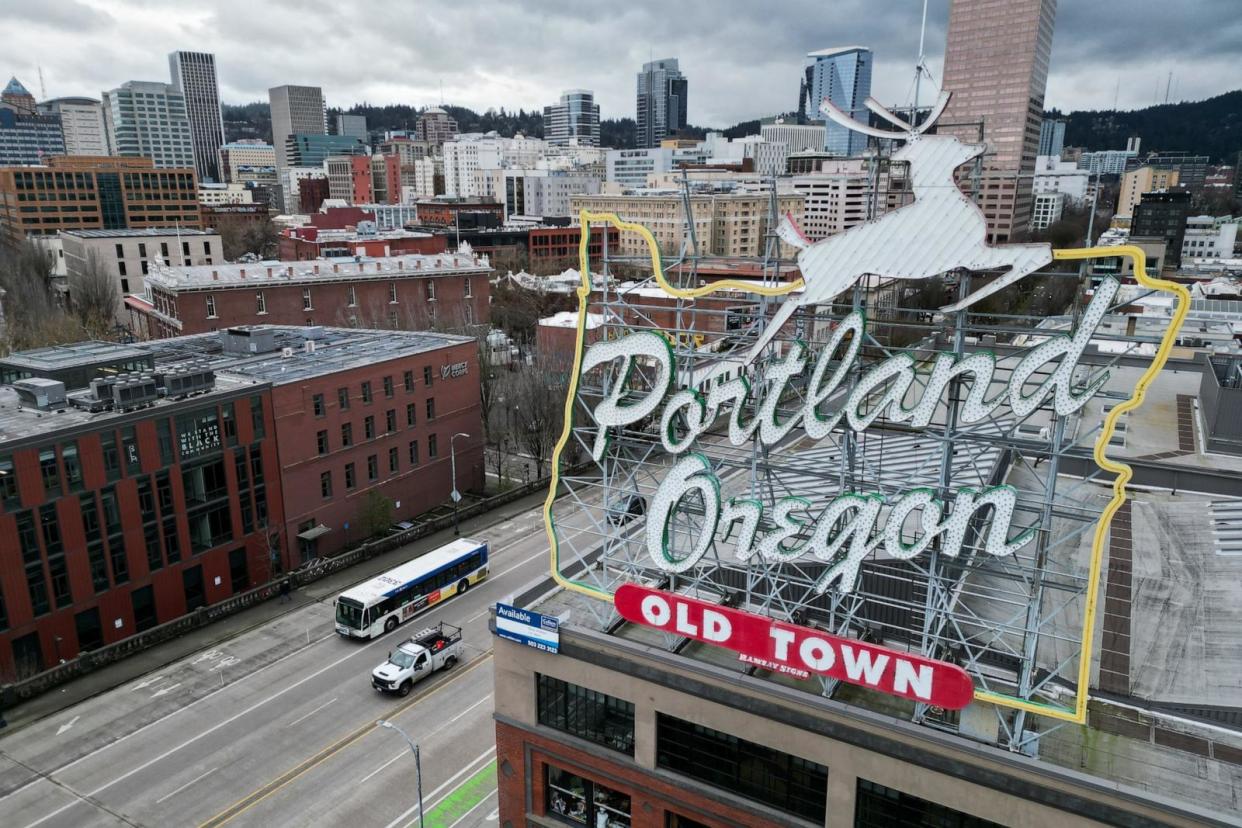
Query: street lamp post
(453, 462)
(418, 768)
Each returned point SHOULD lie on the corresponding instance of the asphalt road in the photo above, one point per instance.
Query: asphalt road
(277, 727)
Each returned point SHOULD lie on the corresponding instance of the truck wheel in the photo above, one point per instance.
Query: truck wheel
(404, 689)
(449, 662)
(390, 625)
(463, 586)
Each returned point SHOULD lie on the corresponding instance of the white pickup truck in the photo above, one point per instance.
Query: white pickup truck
(425, 652)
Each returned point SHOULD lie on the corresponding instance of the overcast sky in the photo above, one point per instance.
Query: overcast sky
(742, 58)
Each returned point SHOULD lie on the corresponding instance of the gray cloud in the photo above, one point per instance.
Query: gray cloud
(743, 59)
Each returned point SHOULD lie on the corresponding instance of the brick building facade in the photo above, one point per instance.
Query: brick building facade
(310, 242)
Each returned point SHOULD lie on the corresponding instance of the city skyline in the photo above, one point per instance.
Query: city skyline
(741, 70)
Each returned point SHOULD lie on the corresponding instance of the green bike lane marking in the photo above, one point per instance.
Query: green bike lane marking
(462, 799)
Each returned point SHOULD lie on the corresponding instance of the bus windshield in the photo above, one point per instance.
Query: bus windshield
(349, 613)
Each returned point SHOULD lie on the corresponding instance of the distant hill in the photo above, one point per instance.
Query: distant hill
(1210, 127)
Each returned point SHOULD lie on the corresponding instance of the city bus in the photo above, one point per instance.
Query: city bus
(380, 604)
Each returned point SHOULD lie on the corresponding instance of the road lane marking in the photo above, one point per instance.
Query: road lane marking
(426, 737)
(255, 797)
(165, 690)
(468, 709)
(469, 795)
(171, 794)
(467, 769)
(381, 767)
(206, 732)
(312, 713)
(67, 725)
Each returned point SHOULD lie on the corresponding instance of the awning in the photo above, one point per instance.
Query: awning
(314, 532)
(138, 303)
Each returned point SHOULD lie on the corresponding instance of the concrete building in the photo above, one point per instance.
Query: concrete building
(1052, 175)
(84, 193)
(661, 102)
(1191, 169)
(1208, 237)
(468, 154)
(243, 161)
(1162, 215)
(574, 120)
(312, 150)
(1051, 137)
(28, 136)
(136, 504)
(194, 73)
(842, 75)
(996, 66)
(447, 291)
(630, 168)
(435, 126)
(797, 137)
(839, 196)
(1047, 209)
(726, 224)
(82, 122)
(1106, 162)
(310, 242)
(295, 110)
(148, 119)
(352, 125)
(211, 195)
(364, 179)
(1145, 179)
(540, 193)
(127, 255)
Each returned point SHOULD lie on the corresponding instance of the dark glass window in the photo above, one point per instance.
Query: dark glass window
(413, 452)
(876, 805)
(342, 398)
(50, 470)
(585, 801)
(317, 400)
(228, 422)
(321, 441)
(390, 420)
(427, 375)
(780, 780)
(164, 432)
(93, 532)
(587, 714)
(256, 416)
(408, 378)
(368, 428)
(411, 414)
(36, 581)
(73, 466)
(394, 460)
(388, 388)
(432, 448)
(347, 434)
(8, 483)
(111, 456)
(373, 467)
(431, 408)
(325, 484)
(351, 479)
(366, 392)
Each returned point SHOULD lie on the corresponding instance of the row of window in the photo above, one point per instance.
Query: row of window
(142, 250)
(373, 467)
(323, 444)
(367, 393)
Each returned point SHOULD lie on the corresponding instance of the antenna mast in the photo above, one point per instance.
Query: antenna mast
(919, 68)
(42, 85)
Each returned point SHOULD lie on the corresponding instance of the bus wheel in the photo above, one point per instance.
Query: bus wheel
(449, 662)
(390, 625)
(404, 689)
(463, 586)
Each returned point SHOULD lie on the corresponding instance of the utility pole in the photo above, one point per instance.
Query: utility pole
(418, 768)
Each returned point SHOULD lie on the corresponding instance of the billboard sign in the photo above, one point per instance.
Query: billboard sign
(541, 632)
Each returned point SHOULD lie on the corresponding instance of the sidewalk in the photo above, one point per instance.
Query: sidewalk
(161, 655)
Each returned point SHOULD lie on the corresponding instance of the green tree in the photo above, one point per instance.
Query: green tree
(375, 514)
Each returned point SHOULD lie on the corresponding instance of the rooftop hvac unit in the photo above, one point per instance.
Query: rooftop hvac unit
(309, 346)
(87, 400)
(286, 352)
(41, 393)
(134, 392)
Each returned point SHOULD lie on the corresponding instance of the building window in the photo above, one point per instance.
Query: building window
(368, 428)
(410, 409)
(431, 445)
(392, 291)
(351, 298)
(431, 408)
(211, 306)
(388, 387)
(320, 407)
(256, 416)
(120, 252)
(8, 482)
(50, 470)
(394, 460)
(347, 434)
(120, 269)
(584, 801)
(876, 805)
(164, 249)
(342, 398)
(772, 777)
(73, 467)
(306, 299)
(408, 377)
(321, 440)
(469, 291)
(325, 484)
(431, 290)
(587, 714)
(393, 319)
(413, 452)
(366, 393)
(427, 376)
(351, 479)
(260, 304)
(373, 467)
(207, 249)
(390, 420)
(142, 250)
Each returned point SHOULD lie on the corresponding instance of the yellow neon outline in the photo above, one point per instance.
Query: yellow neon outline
(1078, 713)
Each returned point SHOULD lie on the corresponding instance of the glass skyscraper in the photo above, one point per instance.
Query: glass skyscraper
(575, 117)
(843, 76)
(661, 109)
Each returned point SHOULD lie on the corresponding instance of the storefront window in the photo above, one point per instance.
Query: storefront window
(583, 802)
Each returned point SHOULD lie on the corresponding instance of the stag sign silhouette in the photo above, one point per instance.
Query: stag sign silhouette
(941, 230)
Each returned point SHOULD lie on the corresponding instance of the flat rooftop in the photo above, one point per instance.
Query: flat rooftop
(314, 271)
(145, 232)
(73, 355)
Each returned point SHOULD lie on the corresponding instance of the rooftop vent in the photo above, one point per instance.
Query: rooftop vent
(41, 393)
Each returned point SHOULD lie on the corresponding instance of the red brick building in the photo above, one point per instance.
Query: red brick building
(224, 217)
(310, 242)
(113, 521)
(445, 291)
(444, 213)
(311, 194)
(552, 249)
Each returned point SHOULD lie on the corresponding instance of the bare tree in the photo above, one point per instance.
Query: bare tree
(33, 317)
(94, 296)
(537, 414)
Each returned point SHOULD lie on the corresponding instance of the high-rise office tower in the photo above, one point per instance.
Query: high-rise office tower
(194, 73)
(295, 109)
(17, 96)
(435, 126)
(82, 120)
(843, 76)
(354, 126)
(147, 119)
(575, 117)
(996, 66)
(661, 102)
(1051, 137)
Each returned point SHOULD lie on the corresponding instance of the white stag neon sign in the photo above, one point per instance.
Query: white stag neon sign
(941, 230)
(846, 531)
